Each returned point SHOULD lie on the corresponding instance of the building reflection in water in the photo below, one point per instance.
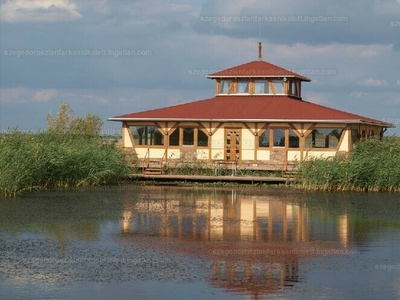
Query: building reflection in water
(255, 243)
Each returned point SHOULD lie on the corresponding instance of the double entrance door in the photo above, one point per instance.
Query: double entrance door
(232, 144)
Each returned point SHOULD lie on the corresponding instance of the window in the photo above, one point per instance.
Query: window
(278, 84)
(202, 139)
(355, 136)
(263, 139)
(294, 140)
(147, 135)
(174, 138)
(188, 136)
(243, 87)
(225, 85)
(261, 87)
(292, 88)
(279, 137)
(324, 138)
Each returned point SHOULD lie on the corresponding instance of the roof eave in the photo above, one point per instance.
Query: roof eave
(351, 121)
(258, 76)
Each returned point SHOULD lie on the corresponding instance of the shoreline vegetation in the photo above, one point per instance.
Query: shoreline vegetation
(373, 165)
(71, 153)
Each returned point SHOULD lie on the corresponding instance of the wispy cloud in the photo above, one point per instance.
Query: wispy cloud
(45, 95)
(373, 82)
(18, 95)
(38, 11)
(359, 94)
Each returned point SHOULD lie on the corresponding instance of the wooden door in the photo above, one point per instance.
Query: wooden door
(232, 144)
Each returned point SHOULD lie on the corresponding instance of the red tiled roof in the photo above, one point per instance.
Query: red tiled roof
(257, 68)
(247, 108)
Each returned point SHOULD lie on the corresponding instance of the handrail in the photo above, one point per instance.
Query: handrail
(165, 156)
(146, 160)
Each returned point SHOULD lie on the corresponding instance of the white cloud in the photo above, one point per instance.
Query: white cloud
(45, 95)
(373, 82)
(359, 94)
(317, 98)
(84, 97)
(339, 50)
(17, 95)
(38, 11)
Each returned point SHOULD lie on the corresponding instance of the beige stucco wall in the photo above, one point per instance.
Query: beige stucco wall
(320, 154)
(202, 154)
(153, 152)
(126, 140)
(344, 146)
(248, 140)
(217, 154)
(294, 155)
(248, 154)
(263, 155)
(173, 154)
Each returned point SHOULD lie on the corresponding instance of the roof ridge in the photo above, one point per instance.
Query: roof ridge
(286, 72)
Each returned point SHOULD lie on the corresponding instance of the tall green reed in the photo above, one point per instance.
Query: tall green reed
(373, 165)
(53, 160)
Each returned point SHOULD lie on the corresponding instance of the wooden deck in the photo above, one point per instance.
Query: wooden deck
(203, 178)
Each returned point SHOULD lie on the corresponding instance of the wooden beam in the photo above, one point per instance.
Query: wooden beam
(309, 130)
(341, 138)
(295, 130)
(216, 128)
(272, 87)
(202, 127)
(251, 87)
(172, 129)
(262, 129)
(249, 128)
(231, 87)
(129, 134)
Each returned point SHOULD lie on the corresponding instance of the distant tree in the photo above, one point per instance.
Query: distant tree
(67, 122)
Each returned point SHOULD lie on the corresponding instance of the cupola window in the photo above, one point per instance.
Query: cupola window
(225, 86)
(278, 85)
(243, 87)
(261, 87)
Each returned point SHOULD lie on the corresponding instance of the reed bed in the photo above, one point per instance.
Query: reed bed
(373, 165)
(52, 160)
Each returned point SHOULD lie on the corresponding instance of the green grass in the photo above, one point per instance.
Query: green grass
(373, 165)
(51, 160)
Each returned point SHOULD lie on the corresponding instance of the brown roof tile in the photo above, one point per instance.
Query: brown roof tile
(257, 68)
(247, 108)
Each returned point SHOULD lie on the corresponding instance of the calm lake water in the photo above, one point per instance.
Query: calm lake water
(199, 243)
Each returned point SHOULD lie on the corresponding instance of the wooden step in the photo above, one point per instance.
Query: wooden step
(289, 174)
(153, 171)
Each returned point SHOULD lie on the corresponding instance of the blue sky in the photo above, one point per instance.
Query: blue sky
(111, 57)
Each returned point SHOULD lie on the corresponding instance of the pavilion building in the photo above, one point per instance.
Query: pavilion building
(257, 119)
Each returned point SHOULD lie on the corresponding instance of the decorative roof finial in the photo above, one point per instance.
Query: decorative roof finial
(259, 51)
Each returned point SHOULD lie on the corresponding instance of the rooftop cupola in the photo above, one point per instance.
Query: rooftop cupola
(258, 78)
